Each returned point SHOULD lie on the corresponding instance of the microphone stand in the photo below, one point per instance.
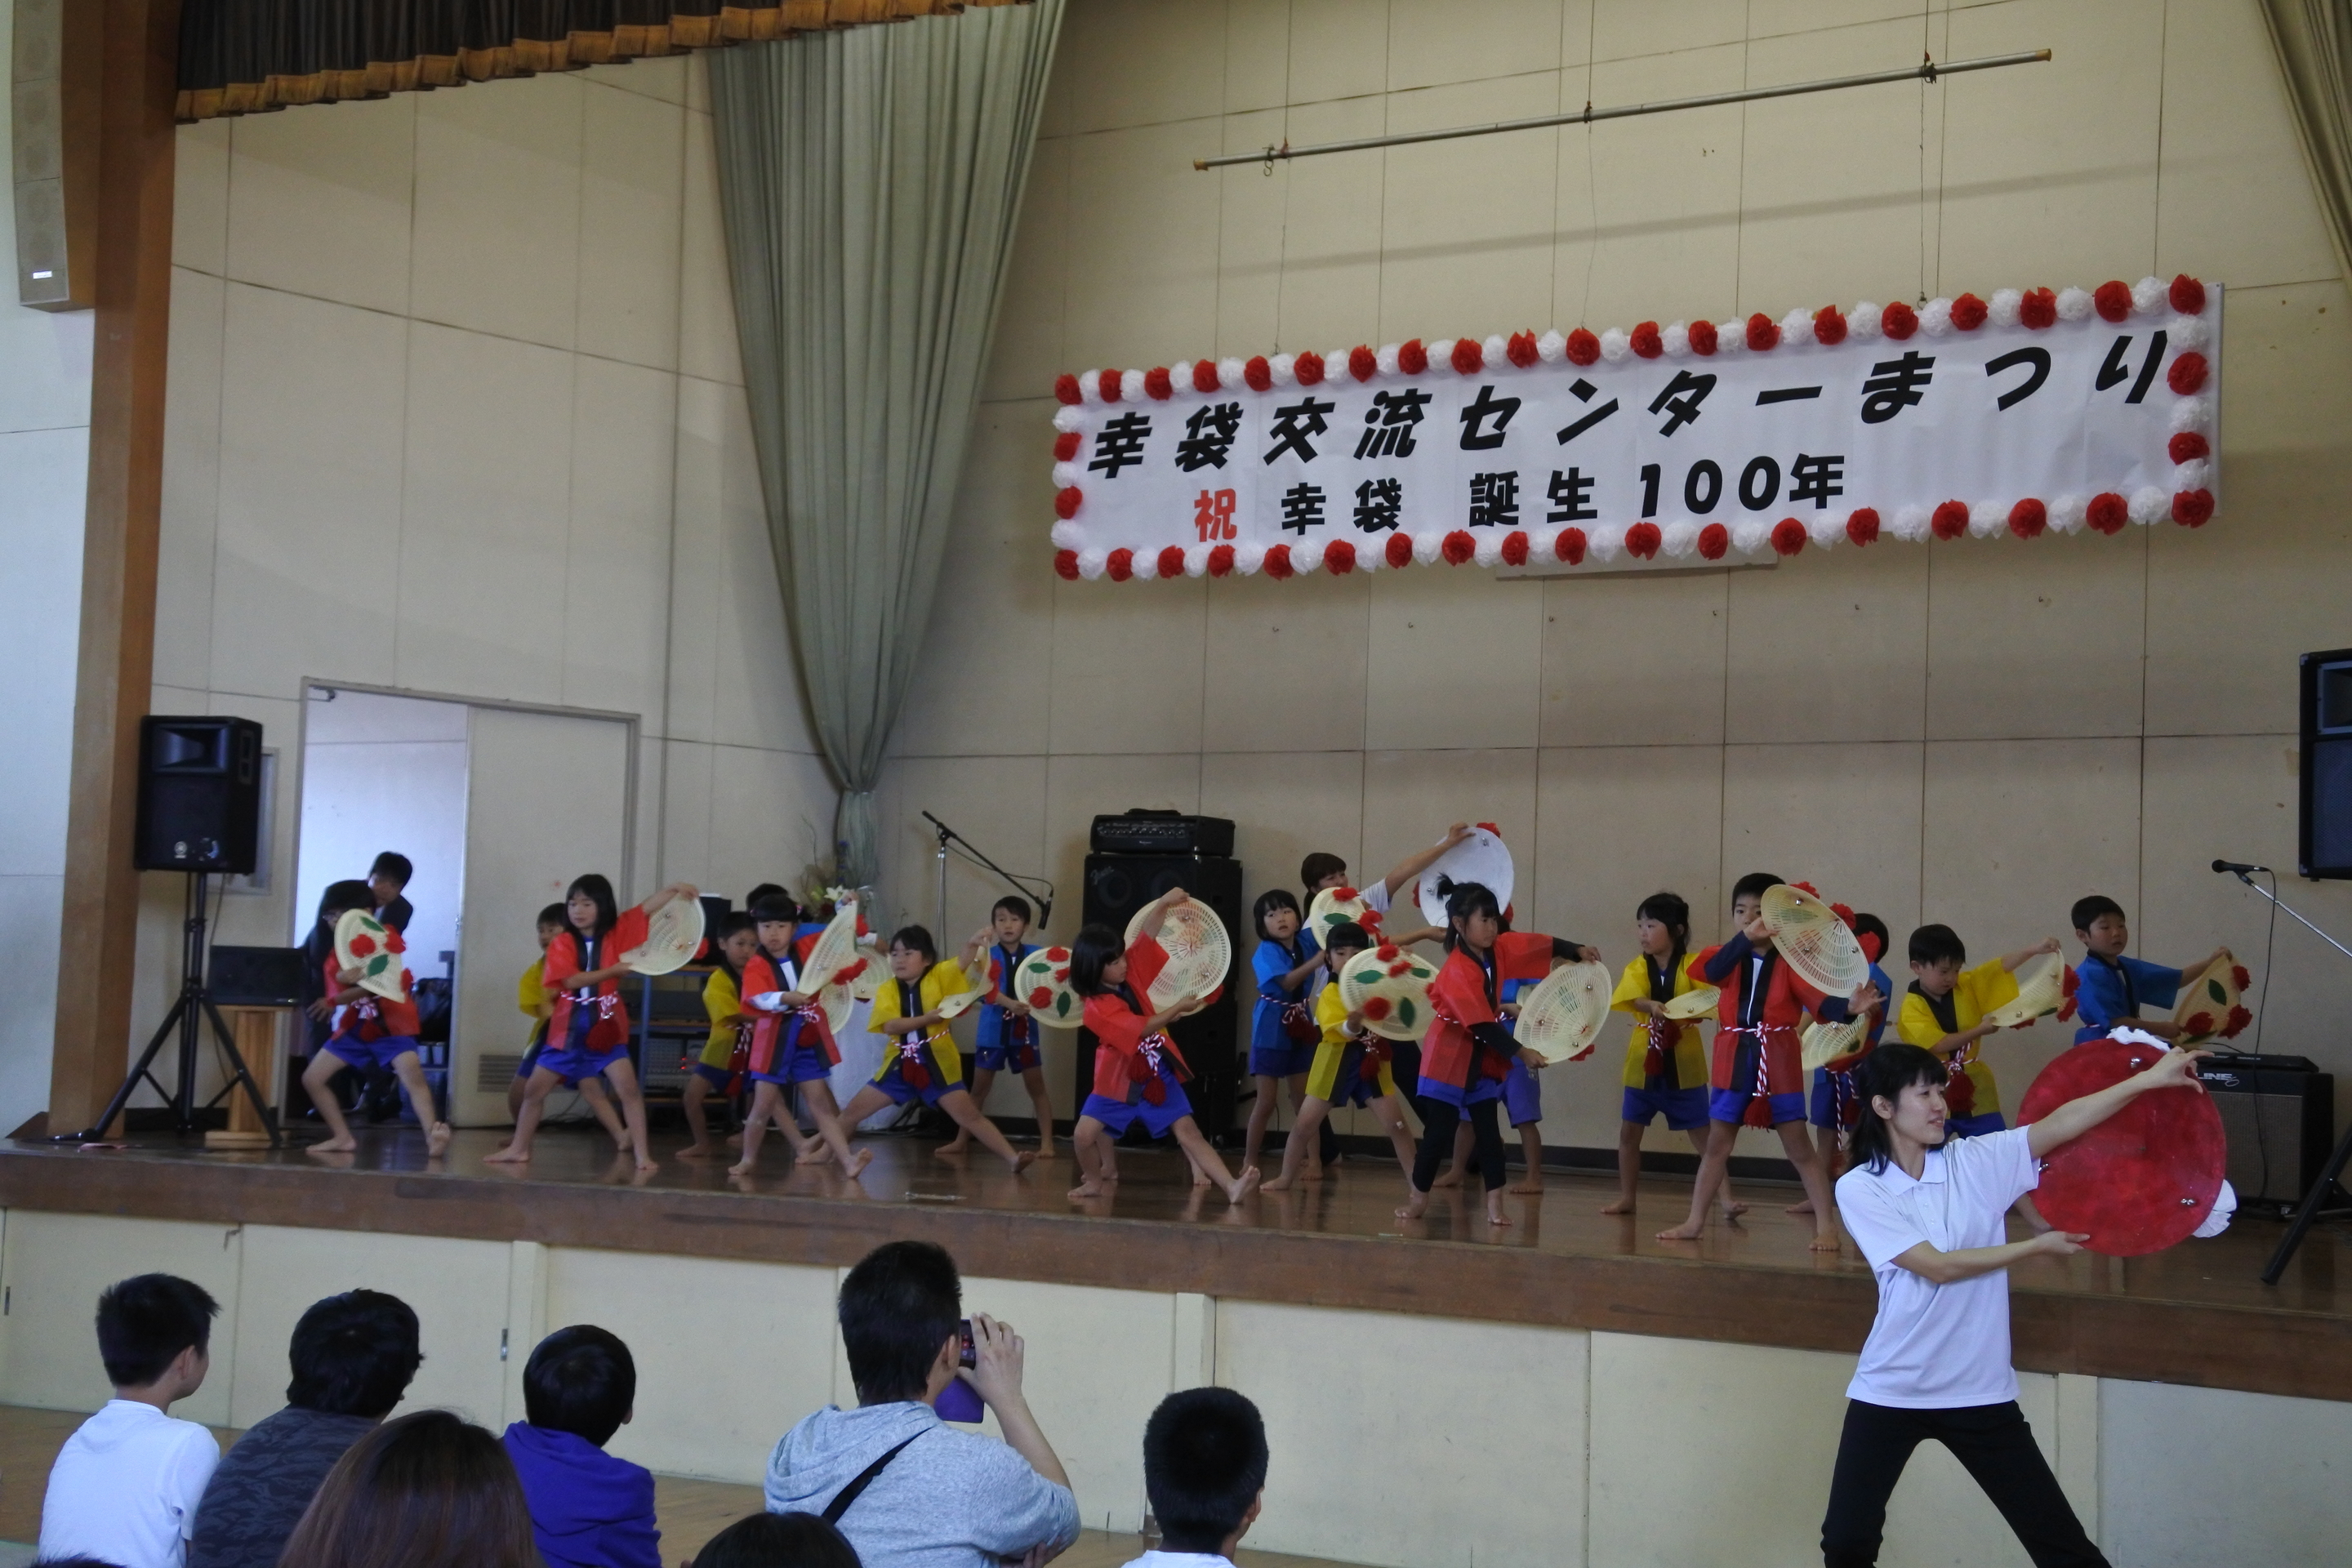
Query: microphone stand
(946, 834)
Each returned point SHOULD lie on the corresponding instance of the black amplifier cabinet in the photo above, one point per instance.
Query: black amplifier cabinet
(1143, 832)
(1118, 886)
(2280, 1118)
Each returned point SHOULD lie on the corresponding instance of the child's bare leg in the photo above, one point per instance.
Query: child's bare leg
(410, 1073)
(1391, 1115)
(982, 1079)
(325, 1065)
(1628, 1167)
(755, 1127)
(515, 1086)
(633, 1108)
(958, 1103)
(1260, 1114)
(1531, 1150)
(698, 1120)
(1732, 1207)
(863, 1104)
(1713, 1162)
(1825, 1145)
(1461, 1161)
(1041, 1105)
(1206, 1159)
(1302, 1138)
(1085, 1142)
(1797, 1143)
(534, 1104)
(600, 1105)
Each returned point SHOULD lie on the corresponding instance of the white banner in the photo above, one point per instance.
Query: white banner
(2033, 411)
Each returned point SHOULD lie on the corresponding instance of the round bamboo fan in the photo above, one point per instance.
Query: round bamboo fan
(1816, 944)
(1561, 1016)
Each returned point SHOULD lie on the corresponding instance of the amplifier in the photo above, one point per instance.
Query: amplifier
(2280, 1118)
(1144, 832)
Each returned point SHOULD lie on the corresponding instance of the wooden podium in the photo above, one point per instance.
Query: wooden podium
(254, 1030)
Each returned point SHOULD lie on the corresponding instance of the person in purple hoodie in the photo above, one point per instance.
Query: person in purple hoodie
(588, 1510)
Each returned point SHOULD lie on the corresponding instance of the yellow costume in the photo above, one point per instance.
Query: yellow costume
(942, 980)
(1975, 992)
(721, 1001)
(1688, 1062)
(530, 995)
(1331, 1053)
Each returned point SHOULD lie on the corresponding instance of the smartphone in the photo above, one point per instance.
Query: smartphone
(970, 1357)
(960, 1401)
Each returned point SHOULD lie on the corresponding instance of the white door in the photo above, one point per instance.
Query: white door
(547, 800)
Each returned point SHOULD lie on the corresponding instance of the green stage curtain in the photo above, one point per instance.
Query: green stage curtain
(237, 56)
(871, 182)
(2313, 39)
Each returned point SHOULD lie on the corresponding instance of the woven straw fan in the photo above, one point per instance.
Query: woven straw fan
(1561, 1016)
(1389, 987)
(1816, 944)
(1199, 953)
(672, 936)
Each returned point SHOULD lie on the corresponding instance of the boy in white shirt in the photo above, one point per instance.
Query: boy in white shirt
(125, 1487)
(1205, 1461)
(1930, 1214)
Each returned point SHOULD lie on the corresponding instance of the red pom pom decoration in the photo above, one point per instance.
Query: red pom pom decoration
(1411, 358)
(1065, 565)
(2038, 309)
(1066, 390)
(1469, 356)
(1041, 998)
(1258, 373)
(1898, 320)
(2235, 1025)
(1569, 546)
(1066, 500)
(2112, 299)
(1339, 558)
(361, 946)
(1386, 952)
(2188, 295)
(1641, 541)
(1829, 325)
(2108, 512)
(2186, 447)
(1952, 520)
(1277, 562)
(1220, 561)
(2028, 518)
(2192, 509)
(1204, 375)
(1308, 369)
(1583, 348)
(1703, 338)
(1713, 542)
(1362, 363)
(1065, 447)
(1121, 565)
(1646, 342)
(1158, 385)
(1521, 349)
(1515, 548)
(1763, 333)
(1107, 384)
(2186, 374)
(1968, 312)
(1787, 536)
(1862, 525)
(1458, 547)
(1398, 550)
(1171, 561)
(1376, 1008)
(2241, 977)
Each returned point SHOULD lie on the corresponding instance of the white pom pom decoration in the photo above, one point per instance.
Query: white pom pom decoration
(2191, 333)
(1229, 376)
(1864, 323)
(2197, 474)
(2068, 512)
(1797, 327)
(1248, 558)
(1067, 474)
(1731, 337)
(2191, 413)
(1065, 535)
(1067, 419)
(1749, 533)
(1678, 539)
(1497, 349)
(1091, 563)
(2149, 296)
(1371, 553)
(1551, 347)
(2003, 309)
(2075, 305)
(1912, 524)
(1826, 529)
(1131, 387)
(1386, 357)
(1441, 353)
(1674, 339)
(1936, 318)
(1284, 369)
(1488, 550)
(2149, 504)
(1090, 388)
(1335, 367)
(1603, 546)
(1196, 561)
(1429, 546)
(1988, 520)
(1615, 345)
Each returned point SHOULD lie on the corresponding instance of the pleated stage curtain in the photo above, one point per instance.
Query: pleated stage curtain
(2314, 41)
(870, 181)
(238, 57)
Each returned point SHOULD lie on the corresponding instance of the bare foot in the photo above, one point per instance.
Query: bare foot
(1498, 1218)
(1200, 1177)
(1279, 1184)
(1451, 1179)
(510, 1155)
(1732, 1211)
(1623, 1205)
(1683, 1232)
(646, 1166)
(1243, 1185)
(1803, 1205)
(1313, 1175)
(620, 1142)
(858, 1162)
(1531, 1186)
(956, 1149)
(1023, 1160)
(343, 1145)
(437, 1142)
(1085, 1189)
(815, 1154)
(743, 1169)
(734, 1139)
(699, 1152)
(1045, 1151)
(1415, 1206)
(1824, 1241)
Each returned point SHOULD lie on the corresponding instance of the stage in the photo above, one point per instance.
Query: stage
(2195, 1315)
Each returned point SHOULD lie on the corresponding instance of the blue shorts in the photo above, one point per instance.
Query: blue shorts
(1522, 1094)
(891, 1080)
(1823, 1106)
(529, 1058)
(1975, 1126)
(367, 1055)
(1117, 1116)
(807, 1064)
(1284, 1058)
(1009, 1059)
(1684, 1108)
(573, 1063)
(1481, 1091)
(1731, 1105)
(716, 1078)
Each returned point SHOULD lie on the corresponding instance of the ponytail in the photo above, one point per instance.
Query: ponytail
(1884, 1074)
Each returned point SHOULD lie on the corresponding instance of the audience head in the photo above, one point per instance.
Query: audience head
(1898, 1084)
(1204, 1460)
(899, 1306)
(354, 1354)
(427, 1491)
(589, 905)
(1097, 960)
(777, 1540)
(342, 896)
(1321, 870)
(579, 1380)
(153, 1326)
(390, 873)
(1011, 917)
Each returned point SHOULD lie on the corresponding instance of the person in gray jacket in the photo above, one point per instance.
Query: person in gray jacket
(909, 1490)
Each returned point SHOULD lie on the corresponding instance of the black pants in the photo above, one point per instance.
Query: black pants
(1995, 1445)
(1438, 1120)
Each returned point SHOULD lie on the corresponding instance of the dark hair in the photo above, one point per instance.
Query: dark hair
(2091, 909)
(776, 908)
(1347, 936)
(1317, 867)
(428, 1491)
(579, 1380)
(765, 891)
(1464, 899)
(1204, 1460)
(1095, 947)
(1933, 945)
(1671, 911)
(349, 894)
(1870, 925)
(1012, 904)
(553, 915)
(915, 939)
(778, 1541)
(900, 1303)
(1273, 898)
(1884, 1074)
(146, 1321)
(730, 925)
(608, 907)
(392, 863)
(354, 1354)
(1753, 885)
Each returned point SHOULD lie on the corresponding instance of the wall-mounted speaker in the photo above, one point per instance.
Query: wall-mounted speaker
(2323, 812)
(199, 793)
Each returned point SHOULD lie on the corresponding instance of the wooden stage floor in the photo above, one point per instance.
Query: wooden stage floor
(2197, 1314)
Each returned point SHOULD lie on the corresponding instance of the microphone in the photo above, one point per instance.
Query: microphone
(2236, 868)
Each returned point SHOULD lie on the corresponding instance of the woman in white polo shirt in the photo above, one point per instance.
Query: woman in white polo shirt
(1931, 1217)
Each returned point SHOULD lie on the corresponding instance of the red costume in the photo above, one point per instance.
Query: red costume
(375, 1018)
(566, 958)
(1774, 1026)
(1464, 995)
(764, 972)
(1125, 1055)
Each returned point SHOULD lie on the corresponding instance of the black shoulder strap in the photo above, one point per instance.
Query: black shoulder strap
(856, 1489)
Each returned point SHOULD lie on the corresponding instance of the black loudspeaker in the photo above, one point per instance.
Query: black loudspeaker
(2280, 1118)
(199, 793)
(1118, 886)
(2323, 815)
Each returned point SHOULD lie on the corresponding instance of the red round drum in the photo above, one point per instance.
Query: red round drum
(2144, 1179)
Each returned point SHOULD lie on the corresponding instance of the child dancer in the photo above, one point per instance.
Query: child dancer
(1282, 1026)
(1522, 1103)
(1322, 869)
(589, 1031)
(790, 1046)
(1759, 1077)
(1834, 1108)
(530, 995)
(1467, 1053)
(1138, 1072)
(372, 1031)
(923, 1063)
(2112, 988)
(1351, 1067)
(1005, 1036)
(1944, 1012)
(732, 945)
(1928, 1213)
(1666, 1060)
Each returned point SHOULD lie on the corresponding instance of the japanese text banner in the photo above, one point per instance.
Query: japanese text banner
(2039, 410)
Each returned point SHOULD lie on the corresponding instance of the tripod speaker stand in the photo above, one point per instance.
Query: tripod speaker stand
(187, 1019)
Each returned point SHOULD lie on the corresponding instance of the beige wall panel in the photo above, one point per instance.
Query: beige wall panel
(1124, 63)
(458, 1290)
(1456, 660)
(1844, 818)
(312, 398)
(1411, 797)
(616, 585)
(708, 1404)
(687, 839)
(1831, 646)
(1338, 49)
(2036, 639)
(633, 153)
(479, 530)
(997, 803)
(1433, 43)
(1635, 661)
(1331, 275)
(2194, 1475)
(1619, 30)
(1252, 234)
(1143, 264)
(191, 458)
(1467, 227)
(1028, 351)
(1127, 667)
(1286, 664)
(323, 202)
(1771, 18)
(770, 818)
(497, 210)
(1347, 1395)
(200, 197)
(1285, 808)
(1257, 55)
(662, 78)
(1664, 191)
(56, 1266)
(710, 419)
(707, 344)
